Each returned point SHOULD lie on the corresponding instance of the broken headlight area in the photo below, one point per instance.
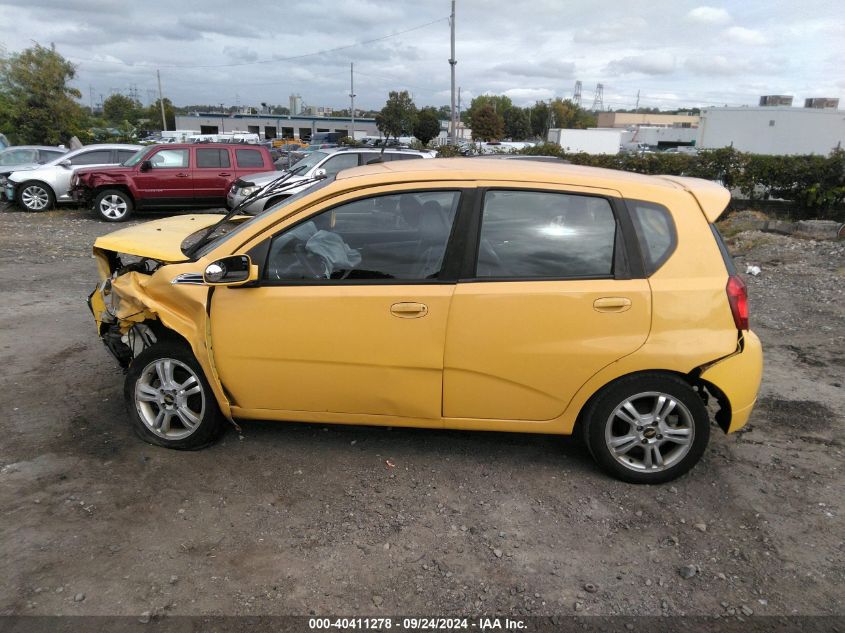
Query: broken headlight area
(126, 346)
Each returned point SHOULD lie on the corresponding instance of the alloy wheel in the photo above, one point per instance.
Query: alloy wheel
(35, 198)
(170, 399)
(649, 432)
(113, 207)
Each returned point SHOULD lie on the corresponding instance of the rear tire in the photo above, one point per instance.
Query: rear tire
(36, 196)
(647, 429)
(169, 399)
(113, 205)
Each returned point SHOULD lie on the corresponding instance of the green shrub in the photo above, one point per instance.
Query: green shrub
(815, 185)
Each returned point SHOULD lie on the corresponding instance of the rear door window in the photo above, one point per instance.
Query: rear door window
(249, 158)
(338, 162)
(545, 235)
(212, 158)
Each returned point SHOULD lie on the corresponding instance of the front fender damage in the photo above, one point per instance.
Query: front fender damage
(134, 309)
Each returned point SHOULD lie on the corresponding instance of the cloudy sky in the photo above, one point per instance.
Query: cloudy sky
(674, 52)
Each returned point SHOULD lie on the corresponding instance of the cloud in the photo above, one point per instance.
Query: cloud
(240, 53)
(527, 96)
(747, 37)
(652, 64)
(610, 32)
(709, 15)
(552, 69)
(720, 65)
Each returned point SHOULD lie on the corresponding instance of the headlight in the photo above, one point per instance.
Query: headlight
(248, 191)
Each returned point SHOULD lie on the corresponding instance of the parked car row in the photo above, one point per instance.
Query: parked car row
(40, 186)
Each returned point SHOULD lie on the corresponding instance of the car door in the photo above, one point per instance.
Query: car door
(212, 174)
(167, 181)
(338, 324)
(548, 301)
(86, 158)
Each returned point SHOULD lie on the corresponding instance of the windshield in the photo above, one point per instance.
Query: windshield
(237, 224)
(307, 163)
(136, 157)
(16, 156)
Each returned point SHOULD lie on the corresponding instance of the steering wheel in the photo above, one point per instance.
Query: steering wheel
(302, 256)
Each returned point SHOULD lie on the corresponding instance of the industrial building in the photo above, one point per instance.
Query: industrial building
(776, 130)
(269, 126)
(631, 119)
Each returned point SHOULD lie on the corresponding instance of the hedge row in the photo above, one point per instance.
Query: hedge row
(815, 185)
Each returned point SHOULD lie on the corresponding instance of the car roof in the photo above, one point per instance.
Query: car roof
(369, 150)
(104, 146)
(51, 148)
(208, 145)
(712, 198)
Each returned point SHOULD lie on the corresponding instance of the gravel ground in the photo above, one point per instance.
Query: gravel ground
(296, 518)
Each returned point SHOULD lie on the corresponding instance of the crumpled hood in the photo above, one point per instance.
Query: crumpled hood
(158, 239)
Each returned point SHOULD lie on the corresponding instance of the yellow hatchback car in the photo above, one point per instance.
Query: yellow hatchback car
(519, 296)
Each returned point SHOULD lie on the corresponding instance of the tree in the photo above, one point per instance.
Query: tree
(539, 115)
(39, 106)
(118, 108)
(499, 103)
(397, 116)
(153, 116)
(566, 114)
(444, 113)
(517, 124)
(487, 124)
(427, 125)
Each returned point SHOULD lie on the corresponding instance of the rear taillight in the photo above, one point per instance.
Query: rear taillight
(738, 298)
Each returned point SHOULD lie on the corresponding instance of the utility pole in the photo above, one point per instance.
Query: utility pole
(452, 62)
(459, 111)
(91, 97)
(161, 102)
(352, 97)
(638, 101)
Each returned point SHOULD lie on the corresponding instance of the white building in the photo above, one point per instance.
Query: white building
(592, 141)
(772, 130)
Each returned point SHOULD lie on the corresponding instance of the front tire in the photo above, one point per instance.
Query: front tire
(113, 205)
(36, 196)
(647, 429)
(169, 399)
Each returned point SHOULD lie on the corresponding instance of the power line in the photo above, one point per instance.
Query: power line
(265, 61)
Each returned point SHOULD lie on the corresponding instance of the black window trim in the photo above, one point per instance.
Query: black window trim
(451, 258)
(641, 259)
(625, 266)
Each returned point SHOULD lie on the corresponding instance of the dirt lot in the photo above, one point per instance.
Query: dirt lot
(292, 519)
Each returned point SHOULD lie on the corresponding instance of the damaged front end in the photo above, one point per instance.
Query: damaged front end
(123, 321)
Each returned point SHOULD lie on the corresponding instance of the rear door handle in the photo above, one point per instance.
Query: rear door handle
(182, 175)
(225, 173)
(409, 310)
(612, 304)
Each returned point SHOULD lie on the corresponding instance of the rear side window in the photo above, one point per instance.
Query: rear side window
(212, 158)
(249, 158)
(98, 157)
(125, 154)
(655, 233)
(543, 235)
(406, 156)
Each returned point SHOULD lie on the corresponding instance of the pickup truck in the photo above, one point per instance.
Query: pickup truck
(172, 176)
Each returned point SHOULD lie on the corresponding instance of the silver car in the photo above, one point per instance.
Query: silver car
(25, 157)
(44, 186)
(325, 161)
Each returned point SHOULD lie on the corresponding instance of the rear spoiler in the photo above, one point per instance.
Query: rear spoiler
(713, 198)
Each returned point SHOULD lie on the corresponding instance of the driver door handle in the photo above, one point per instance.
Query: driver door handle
(224, 173)
(182, 175)
(409, 310)
(612, 304)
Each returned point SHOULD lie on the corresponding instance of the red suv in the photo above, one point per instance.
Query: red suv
(169, 176)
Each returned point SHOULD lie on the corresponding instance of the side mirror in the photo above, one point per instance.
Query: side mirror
(235, 270)
(146, 165)
(320, 173)
(65, 163)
